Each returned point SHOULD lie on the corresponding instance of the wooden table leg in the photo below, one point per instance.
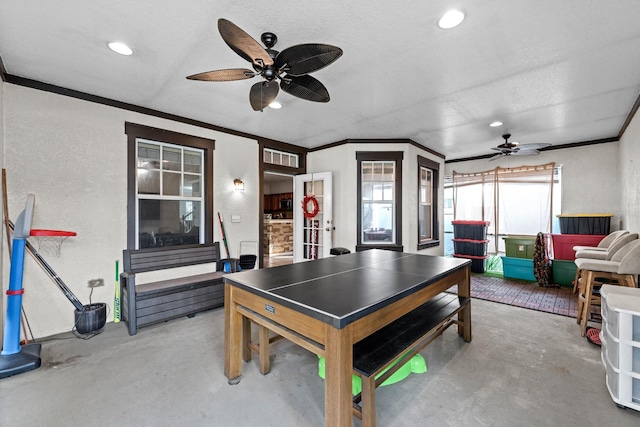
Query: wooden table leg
(464, 317)
(246, 339)
(338, 371)
(233, 341)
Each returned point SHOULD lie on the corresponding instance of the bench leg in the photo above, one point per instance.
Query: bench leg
(246, 339)
(368, 403)
(263, 339)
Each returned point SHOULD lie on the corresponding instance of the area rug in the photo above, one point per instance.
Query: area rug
(524, 294)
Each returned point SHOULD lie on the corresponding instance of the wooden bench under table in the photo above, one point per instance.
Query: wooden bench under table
(148, 303)
(388, 348)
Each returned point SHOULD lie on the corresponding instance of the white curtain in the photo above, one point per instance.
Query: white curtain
(516, 201)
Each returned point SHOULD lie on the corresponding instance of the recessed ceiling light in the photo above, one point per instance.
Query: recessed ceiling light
(120, 48)
(451, 19)
(275, 105)
(496, 124)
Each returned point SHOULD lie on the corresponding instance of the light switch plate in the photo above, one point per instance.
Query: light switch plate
(235, 218)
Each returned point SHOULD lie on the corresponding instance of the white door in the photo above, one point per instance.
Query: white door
(313, 222)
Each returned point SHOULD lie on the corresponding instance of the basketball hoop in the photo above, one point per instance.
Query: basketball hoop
(50, 242)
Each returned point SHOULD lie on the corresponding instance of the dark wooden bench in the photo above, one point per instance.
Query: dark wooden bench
(144, 304)
(388, 349)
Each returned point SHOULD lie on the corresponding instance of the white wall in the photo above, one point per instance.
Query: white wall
(341, 161)
(72, 155)
(589, 176)
(629, 176)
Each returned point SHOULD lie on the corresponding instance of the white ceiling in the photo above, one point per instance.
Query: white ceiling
(556, 71)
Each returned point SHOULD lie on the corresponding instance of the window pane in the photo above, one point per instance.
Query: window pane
(192, 186)
(377, 220)
(387, 191)
(377, 171)
(367, 171)
(171, 184)
(192, 161)
(424, 223)
(148, 156)
(168, 223)
(171, 159)
(148, 181)
(367, 191)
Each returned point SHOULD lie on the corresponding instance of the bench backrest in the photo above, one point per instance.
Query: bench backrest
(152, 259)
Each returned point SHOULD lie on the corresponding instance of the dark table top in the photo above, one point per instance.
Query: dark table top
(341, 289)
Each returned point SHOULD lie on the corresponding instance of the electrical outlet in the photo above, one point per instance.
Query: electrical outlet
(94, 283)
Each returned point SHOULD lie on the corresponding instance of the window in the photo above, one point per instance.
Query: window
(282, 158)
(170, 198)
(380, 200)
(428, 231)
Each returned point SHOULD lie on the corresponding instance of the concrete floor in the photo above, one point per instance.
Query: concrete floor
(523, 368)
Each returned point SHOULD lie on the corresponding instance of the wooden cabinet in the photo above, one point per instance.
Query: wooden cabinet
(272, 201)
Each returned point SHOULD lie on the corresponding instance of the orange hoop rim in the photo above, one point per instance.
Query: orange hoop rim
(51, 233)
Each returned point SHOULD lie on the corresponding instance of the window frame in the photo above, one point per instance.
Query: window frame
(135, 132)
(434, 167)
(388, 156)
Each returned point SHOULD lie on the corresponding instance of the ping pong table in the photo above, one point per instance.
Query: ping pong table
(327, 305)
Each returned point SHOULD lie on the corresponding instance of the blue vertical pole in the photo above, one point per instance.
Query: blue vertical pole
(11, 344)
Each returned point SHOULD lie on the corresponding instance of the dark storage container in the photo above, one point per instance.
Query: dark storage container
(470, 247)
(478, 263)
(472, 230)
(585, 223)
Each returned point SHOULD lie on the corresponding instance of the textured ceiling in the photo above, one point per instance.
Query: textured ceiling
(554, 71)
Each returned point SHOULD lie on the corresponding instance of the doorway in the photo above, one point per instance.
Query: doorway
(277, 219)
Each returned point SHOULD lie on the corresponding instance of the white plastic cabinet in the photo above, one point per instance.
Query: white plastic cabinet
(620, 338)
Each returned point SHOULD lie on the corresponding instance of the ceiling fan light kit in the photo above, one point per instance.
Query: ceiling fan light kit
(515, 149)
(291, 66)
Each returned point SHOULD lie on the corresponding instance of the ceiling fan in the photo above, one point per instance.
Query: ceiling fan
(291, 66)
(514, 149)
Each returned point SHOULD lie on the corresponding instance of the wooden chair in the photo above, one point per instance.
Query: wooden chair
(605, 255)
(622, 269)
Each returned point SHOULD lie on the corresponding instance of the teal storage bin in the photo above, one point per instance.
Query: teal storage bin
(518, 268)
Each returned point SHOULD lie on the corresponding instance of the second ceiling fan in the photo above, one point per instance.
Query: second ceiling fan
(515, 149)
(291, 66)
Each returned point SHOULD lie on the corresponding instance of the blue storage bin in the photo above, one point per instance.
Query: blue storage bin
(518, 268)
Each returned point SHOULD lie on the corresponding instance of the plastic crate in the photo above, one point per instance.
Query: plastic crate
(563, 272)
(585, 223)
(472, 230)
(518, 268)
(470, 247)
(478, 263)
(519, 246)
(563, 244)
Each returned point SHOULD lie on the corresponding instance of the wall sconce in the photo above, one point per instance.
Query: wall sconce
(238, 184)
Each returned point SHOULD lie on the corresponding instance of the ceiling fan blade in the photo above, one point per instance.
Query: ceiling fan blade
(223, 75)
(525, 153)
(307, 58)
(501, 149)
(305, 87)
(262, 94)
(497, 156)
(534, 146)
(243, 44)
